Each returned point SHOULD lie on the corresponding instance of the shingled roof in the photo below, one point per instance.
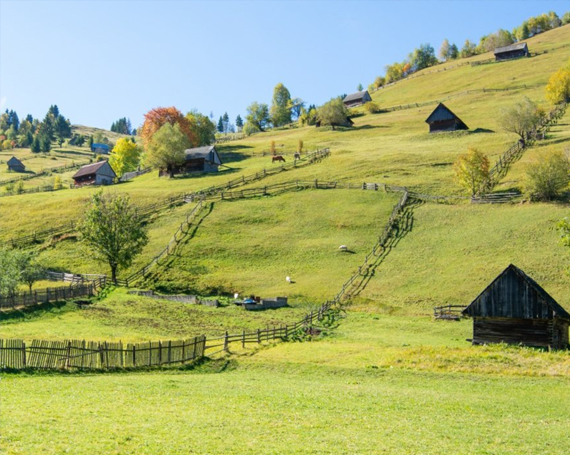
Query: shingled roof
(355, 96)
(207, 152)
(14, 162)
(510, 48)
(89, 169)
(442, 113)
(514, 294)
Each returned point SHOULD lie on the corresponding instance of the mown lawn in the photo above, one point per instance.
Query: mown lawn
(344, 394)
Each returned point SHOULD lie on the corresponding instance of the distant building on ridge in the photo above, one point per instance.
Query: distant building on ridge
(357, 99)
(517, 50)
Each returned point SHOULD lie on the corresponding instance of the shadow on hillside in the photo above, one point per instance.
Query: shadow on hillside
(404, 226)
(35, 310)
(201, 175)
(231, 153)
(481, 130)
(80, 154)
(364, 127)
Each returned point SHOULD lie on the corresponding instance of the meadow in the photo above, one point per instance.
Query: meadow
(389, 378)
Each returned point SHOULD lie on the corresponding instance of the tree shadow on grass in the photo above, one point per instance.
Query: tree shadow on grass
(31, 311)
(480, 130)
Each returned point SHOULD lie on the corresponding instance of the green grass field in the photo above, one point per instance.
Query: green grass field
(389, 379)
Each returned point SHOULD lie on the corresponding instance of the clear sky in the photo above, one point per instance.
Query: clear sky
(103, 60)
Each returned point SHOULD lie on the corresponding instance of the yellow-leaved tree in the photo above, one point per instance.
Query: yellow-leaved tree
(558, 87)
(125, 156)
(472, 170)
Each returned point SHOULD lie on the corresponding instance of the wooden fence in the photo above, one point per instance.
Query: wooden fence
(92, 355)
(26, 299)
(62, 168)
(15, 354)
(172, 201)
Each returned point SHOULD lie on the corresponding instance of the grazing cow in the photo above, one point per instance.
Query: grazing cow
(277, 158)
(297, 156)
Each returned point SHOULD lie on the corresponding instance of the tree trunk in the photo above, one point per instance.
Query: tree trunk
(114, 273)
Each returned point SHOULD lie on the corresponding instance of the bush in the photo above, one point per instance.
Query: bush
(250, 128)
(372, 107)
(548, 177)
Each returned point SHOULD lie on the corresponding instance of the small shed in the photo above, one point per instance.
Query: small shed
(15, 165)
(442, 119)
(102, 149)
(199, 159)
(357, 99)
(517, 50)
(514, 309)
(100, 173)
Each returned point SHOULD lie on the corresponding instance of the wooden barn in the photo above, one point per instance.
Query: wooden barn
(357, 99)
(199, 159)
(101, 149)
(442, 119)
(514, 309)
(517, 50)
(15, 165)
(100, 173)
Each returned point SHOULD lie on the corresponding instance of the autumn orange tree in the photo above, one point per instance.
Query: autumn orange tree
(159, 116)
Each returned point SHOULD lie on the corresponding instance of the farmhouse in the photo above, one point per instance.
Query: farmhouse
(199, 159)
(15, 165)
(516, 50)
(100, 148)
(514, 309)
(442, 119)
(357, 99)
(100, 173)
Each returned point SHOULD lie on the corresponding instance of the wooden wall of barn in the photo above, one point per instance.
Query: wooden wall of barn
(551, 333)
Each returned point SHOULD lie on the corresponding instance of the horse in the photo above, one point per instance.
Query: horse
(297, 156)
(277, 158)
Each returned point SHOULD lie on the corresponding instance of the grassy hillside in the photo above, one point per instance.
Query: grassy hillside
(380, 384)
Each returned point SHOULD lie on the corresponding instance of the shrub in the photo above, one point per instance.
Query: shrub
(372, 107)
(472, 170)
(548, 176)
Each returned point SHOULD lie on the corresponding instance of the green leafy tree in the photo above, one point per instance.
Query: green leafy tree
(548, 176)
(359, 88)
(422, 57)
(124, 156)
(112, 229)
(257, 116)
(522, 118)
(250, 128)
(166, 148)
(204, 129)
(566, 18)
(239, 122)
(281, 106)
(453, 52)
(296, 105)
(469, 49)
(30, 270)
(472, 170)
(11, 276)
(334, 113)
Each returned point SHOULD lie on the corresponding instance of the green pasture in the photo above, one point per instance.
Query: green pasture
(378, 384)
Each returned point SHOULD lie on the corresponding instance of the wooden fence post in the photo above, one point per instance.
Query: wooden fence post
(24, 353)
(159, 352)
(243, 339)
(226, 341)
(258, 336)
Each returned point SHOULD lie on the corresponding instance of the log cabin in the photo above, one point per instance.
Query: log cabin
(357, 99)
(515, 309)
(15, 165)
(517, 50)
(199, 159)
(100, 173)
(442, 119)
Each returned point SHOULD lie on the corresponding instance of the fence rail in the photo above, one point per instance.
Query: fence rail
(453, 312)
(92, 355)
(26, 299)
(173, 201)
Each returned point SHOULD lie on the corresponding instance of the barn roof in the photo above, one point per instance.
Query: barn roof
(209, 153)
(100, 146)
(512, 47)
(89, 169)
(516, 295)
(14, 162)
(355, 96)
(442, 113)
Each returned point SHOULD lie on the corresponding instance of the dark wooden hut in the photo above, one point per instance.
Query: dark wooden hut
(442, 119)
(15, 165)
(517, 50)
(514, 309)
(199, 159)
(357, 99)
(100, 173)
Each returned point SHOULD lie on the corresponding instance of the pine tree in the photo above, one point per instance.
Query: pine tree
(239, 122)
(35, 145)
(221, 125)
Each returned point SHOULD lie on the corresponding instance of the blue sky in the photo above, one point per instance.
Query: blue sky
(103, 60)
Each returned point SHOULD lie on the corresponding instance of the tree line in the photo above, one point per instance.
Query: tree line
(424, 56)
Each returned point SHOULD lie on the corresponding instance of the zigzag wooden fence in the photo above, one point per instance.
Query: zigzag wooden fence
(26, 299)
(173, 201)
(16, 354)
